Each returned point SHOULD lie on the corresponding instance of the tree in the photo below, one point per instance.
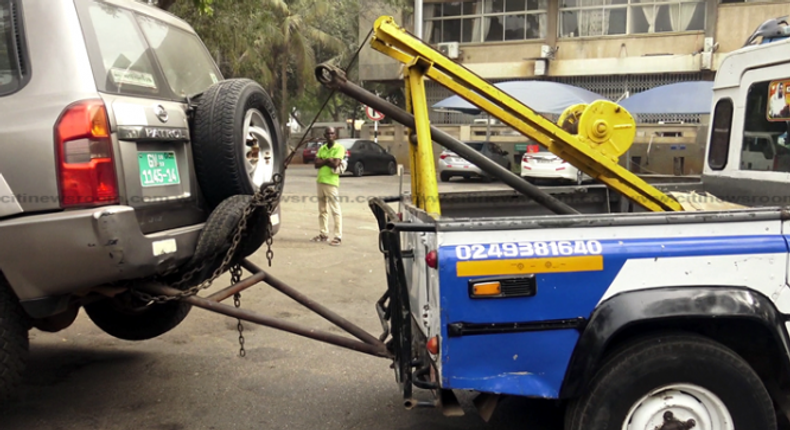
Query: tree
(203, 6)
(279, 42)
(274, 42)
(294, 46)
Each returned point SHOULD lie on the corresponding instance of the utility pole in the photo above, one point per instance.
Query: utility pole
(418, 18)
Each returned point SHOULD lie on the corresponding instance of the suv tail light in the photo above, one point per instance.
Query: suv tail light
(443, 156)
(86, 170)
(348, 153)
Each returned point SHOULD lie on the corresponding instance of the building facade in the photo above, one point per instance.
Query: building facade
(612, 47)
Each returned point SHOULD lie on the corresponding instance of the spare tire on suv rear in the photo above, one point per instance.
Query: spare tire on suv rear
(237, 143)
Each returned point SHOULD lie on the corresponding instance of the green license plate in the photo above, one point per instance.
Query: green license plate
(158, 169)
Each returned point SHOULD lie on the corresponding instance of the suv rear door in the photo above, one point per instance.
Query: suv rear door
(145, 67)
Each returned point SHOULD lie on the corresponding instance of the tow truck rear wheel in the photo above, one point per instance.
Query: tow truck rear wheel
(673, 382)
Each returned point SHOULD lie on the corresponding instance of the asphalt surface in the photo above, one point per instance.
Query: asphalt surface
(193, 378)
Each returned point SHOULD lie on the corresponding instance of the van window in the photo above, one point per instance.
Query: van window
(765, 146)
(12, 72)
(720, 135)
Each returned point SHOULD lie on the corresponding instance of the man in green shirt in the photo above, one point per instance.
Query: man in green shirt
(327, 159)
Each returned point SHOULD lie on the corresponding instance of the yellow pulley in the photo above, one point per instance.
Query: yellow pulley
(569, 120)
(608, 128)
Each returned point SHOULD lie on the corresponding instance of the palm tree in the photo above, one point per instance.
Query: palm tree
(292, 36)
(271, 41)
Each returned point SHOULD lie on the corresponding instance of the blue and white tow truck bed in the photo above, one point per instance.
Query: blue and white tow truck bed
(543, 305)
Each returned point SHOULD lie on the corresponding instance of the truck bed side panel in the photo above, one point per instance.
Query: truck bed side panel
(522, 345)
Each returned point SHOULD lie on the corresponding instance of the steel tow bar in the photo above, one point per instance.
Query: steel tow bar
(334, 77)
(367, 343)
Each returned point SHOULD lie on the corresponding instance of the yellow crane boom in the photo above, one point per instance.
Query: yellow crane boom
(590, 137)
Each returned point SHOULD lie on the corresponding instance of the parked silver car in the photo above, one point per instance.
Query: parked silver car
(124, 156)
(451, 165)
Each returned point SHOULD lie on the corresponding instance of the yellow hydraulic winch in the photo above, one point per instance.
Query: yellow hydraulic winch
(590, 137)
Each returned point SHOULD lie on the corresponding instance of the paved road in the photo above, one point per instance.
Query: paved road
(192, 377)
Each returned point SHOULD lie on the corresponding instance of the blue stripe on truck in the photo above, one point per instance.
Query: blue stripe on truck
(534, 363)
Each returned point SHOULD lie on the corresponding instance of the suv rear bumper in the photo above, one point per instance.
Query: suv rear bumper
(67, 253)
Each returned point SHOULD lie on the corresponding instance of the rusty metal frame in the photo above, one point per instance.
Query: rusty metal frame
(366, 343)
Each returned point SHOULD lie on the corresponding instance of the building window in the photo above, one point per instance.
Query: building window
(584, 18)
(753, 1)
(484, 21)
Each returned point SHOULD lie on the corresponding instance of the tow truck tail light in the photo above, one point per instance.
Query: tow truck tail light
(433, 345)
(86, 169)
(432, 259)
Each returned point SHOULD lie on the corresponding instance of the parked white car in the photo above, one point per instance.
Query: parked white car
(452, 165)
(538, 163)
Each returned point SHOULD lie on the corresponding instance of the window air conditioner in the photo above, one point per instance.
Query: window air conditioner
(449, 49)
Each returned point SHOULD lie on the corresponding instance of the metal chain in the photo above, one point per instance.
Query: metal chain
(266, 197)
(235, 278)
(269, 241)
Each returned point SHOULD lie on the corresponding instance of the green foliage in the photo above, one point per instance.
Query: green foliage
(205, 6)
(278, 43)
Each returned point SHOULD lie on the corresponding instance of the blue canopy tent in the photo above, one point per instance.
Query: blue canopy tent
(694, 97)
(544, 97)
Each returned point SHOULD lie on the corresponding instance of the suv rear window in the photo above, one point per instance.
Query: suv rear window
(12, 71)
(187, 67)
(139, 55)
(124, 62)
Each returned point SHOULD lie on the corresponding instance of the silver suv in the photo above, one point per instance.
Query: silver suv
(124, 158)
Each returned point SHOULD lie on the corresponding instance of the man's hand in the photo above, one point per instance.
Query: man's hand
(331, 162)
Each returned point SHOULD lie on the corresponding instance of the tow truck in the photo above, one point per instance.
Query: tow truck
(636, 307)
(633, 305)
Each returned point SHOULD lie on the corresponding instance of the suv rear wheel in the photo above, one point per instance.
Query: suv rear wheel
(237, 143)
(128, 318)
(13, 340)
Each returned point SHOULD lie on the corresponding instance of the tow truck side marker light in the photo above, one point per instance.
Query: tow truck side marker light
(487, 289)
